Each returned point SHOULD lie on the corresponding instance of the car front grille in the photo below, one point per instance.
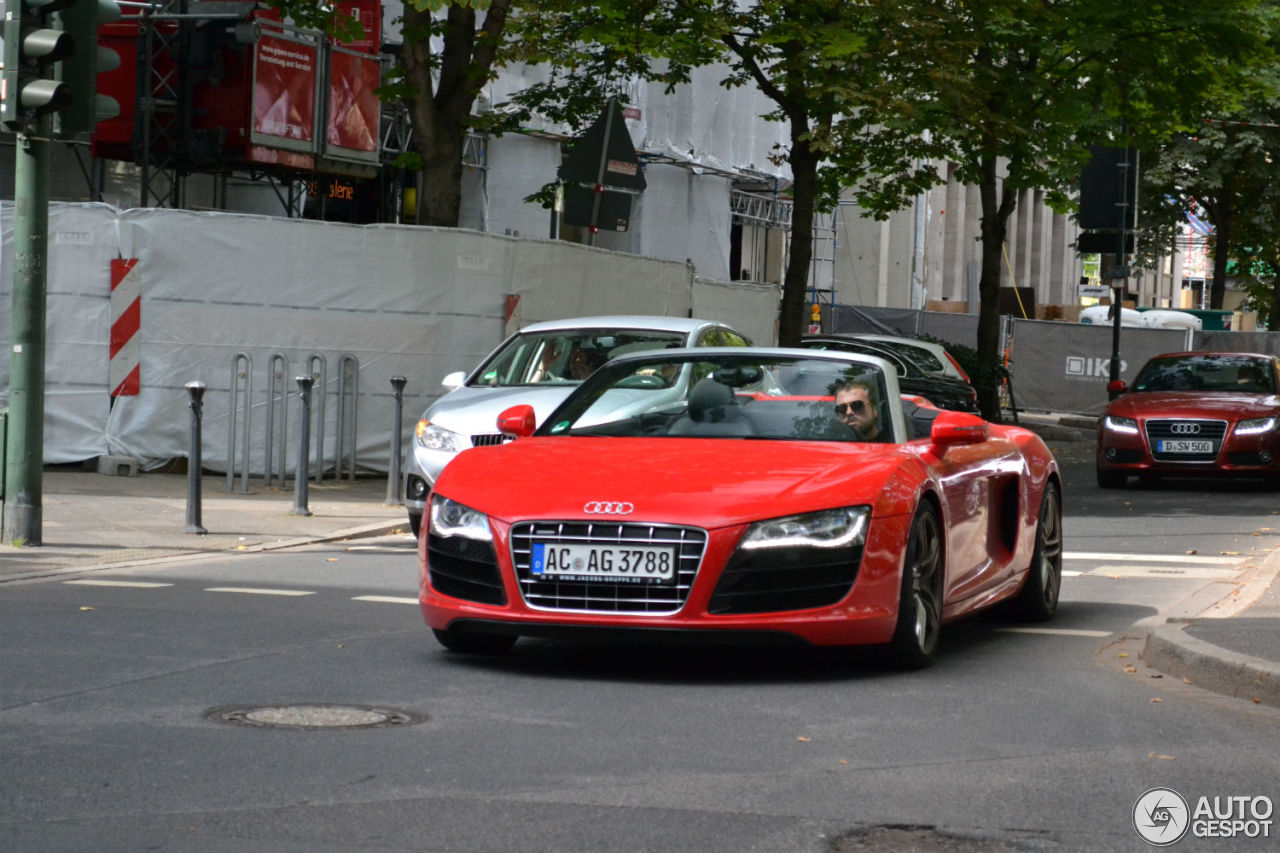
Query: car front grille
(592, 596)
(1178, 429)
(777, 579)
(464, 568)
(490, 439)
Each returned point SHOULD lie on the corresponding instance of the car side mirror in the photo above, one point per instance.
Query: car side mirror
(454, 380)
(1116, 386)
(518, 421)
(951, 428)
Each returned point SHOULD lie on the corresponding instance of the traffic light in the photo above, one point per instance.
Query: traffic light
(52, 61)
(80, 70)
(33, 48)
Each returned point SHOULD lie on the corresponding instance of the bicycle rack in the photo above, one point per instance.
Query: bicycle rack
(277, 390)
(348, 388)
(241, 377)
(319, 381)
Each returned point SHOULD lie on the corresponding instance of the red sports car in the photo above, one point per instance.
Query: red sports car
(741, 495)
(1193, 414)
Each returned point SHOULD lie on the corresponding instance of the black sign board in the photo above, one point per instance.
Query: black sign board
(604, 155)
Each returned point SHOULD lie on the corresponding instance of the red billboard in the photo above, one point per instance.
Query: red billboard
(353, 106)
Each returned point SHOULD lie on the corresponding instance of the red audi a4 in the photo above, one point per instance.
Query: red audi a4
(741, 495)
(1191, 414)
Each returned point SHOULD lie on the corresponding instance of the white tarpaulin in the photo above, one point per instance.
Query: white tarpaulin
(222, 290)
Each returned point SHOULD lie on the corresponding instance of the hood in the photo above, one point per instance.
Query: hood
(469, 410)
(708, 482)
(1194, 404)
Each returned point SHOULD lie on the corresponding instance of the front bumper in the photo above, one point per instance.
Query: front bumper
(866, 614)
(1234, 455)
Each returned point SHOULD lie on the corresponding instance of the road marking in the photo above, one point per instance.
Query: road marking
(1169, 572)
(386, 549)
(252, 591)
(1067, 573)
(133, 584)
(1156, 558)
(1060, 632)
(385, 599)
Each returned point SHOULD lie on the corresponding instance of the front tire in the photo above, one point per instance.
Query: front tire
(474, 643)
(1038, 601)
(415, 524)
(915, 639)
(1111, 479)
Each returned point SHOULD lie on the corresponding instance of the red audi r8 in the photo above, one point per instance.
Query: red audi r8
(741, 494)
(1192, 414)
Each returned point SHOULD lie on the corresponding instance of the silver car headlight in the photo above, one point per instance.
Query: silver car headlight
(830, 528)
(450, 518)
(435, 437)
(1253, 426)
(1115, 423)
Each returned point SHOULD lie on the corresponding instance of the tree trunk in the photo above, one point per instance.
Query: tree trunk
(804, 176)
(1221, 254)
(995, 218)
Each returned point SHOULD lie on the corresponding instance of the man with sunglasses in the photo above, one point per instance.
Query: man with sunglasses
(856, 407)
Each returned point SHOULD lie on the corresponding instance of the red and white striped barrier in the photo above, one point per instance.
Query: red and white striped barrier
(124, 374)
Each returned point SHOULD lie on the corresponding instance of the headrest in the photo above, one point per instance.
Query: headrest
(708, 399)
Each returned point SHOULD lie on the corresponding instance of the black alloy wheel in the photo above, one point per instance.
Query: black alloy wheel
(915, 640)
(1039, 598)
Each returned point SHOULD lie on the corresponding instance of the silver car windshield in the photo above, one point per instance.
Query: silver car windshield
(729, 397)
(565, 357)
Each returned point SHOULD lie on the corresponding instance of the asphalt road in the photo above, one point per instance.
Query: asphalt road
(1014, 740)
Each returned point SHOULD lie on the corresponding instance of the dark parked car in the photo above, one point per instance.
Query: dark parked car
(942, 391)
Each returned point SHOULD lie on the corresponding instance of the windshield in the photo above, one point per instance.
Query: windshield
(565, 357)
(729, 397)
(1200, 372)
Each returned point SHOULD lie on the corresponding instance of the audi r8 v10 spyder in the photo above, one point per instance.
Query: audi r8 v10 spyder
(538, 365)
(1192, 414)
(940, 390)
(780, 495)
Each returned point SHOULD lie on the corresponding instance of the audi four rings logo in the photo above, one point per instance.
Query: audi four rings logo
(1185, 429)
(609, 508)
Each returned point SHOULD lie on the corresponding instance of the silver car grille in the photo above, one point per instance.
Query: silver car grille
(1178, 428)
(490, 439)
(606, 596)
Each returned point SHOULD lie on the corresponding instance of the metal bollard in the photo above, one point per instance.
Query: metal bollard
(393, 473)
(304, 449)
(195, 391)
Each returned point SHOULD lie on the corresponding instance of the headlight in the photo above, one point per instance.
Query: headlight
(450, 518)
(1253, 426)
(831, 528)
(435, 437)
(1118, 424)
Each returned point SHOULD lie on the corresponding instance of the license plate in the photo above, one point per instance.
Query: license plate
(617, 563)
(1183, 446)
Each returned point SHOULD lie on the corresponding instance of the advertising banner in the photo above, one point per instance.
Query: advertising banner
(284, 93)
(353, 108)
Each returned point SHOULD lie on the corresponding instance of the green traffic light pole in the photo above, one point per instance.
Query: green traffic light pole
(24, 455)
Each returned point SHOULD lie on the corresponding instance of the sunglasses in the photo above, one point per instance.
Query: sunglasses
(857, 407)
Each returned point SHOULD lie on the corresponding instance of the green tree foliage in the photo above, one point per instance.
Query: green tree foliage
(818, 62)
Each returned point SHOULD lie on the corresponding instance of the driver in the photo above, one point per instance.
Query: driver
(855, 404)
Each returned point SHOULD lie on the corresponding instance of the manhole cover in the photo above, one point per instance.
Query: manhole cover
(314, 716)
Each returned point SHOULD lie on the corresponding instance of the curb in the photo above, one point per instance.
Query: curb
(1172, 651)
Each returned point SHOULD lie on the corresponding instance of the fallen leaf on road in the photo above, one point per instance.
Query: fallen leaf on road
(1157, 699)
(331, 559)
(1186, 680)
(1257, 701)
(1192, 551)
(1123, 655)
(1130, 669)
(1161, 757)
(1231, 553)
(803, 739)
(241, 547)
(846, 761)
(85, 608)
(1154, 675)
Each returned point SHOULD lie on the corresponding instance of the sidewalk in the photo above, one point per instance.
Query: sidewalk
(1227, 639)
(91, 520)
